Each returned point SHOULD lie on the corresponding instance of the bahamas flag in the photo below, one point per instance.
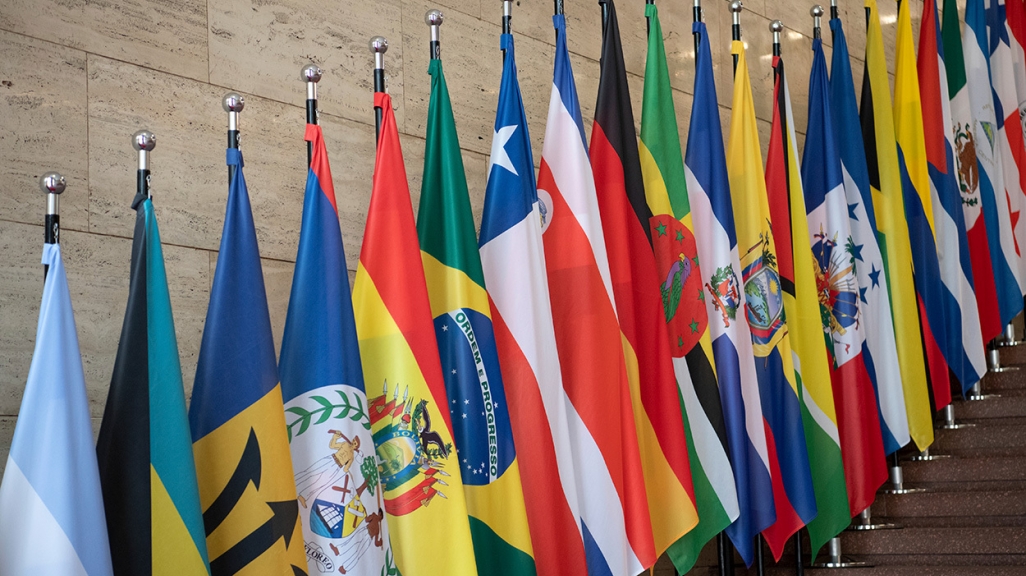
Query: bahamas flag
(470, 364)
(892, 230)
(800, 278)
(246, 489)
(51, 503)
(672, 235)
(764, 290)
(709, 194)
(420, 471)
(145, 451)
(326, 412)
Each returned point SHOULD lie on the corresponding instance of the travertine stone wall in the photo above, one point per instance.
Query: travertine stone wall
(78, 77)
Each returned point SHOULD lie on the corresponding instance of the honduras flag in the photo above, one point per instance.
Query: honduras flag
(709, 193)
(51, 506)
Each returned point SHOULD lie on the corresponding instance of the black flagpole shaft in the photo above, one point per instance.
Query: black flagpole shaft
(799, 569)
(311, 118)
(311, 74)
(434, 19)
(726, 554)
(648, 21)
(379, 86)
(760, 567)
(557, 8)
(735, 31)
(696, 15)
(507, 19)
(378, 47)
(833, 9)
(52, 185)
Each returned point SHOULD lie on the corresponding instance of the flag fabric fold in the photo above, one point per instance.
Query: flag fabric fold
(709, 195)
(672, 234)
(51, 503)
(478, 404)
(328, 425)
(420, 472)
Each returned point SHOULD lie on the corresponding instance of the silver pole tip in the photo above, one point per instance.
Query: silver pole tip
(434, 17)
(776, 26)
(52, 183)
(378, 44)
(735, 6)
(233, 102)
(144, 140)
(816, 11)
(311, 73)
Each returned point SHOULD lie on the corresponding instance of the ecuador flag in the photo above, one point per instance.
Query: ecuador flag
(249, 503)
(144, 449)
(466, 342)
(413, 435)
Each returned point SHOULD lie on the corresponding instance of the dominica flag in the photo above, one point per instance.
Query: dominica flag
(51, 502)
(800, 280)
(709, 195)
(982, 136)
(420, 472)
(962, 140)
(764, 290)
(513, 263)
(478, 404)
(620, 188)
(679, 277)
(237, 416)
(838, 256)
(879, 351)
(614, 519)
(964, 336)
(336, 473)
(144, 449)
(892, 230)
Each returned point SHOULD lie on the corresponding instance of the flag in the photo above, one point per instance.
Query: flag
(1015, 13)
(419, 469)
(326, 414)
(613, 506)
(513, 262)
(237, 415)
(964, 335)
(982, 136)
(892, 229)
(144, 449)
(879, 351)
(800, 277)
(620, 188)
(709, 195)
(672, 234)
(478, 404)
(764, 290)
(986, 279)
(51, 503)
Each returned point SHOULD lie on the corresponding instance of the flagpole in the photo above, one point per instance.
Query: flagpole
(233, 103)
(817, 22)
(434, 19)
(378, 47)
(557, 9)
(311, 74)
(507, 18)
(52, 184)
(648, 21)
(735, 27)
(144, 142)
(833, 10)
(696, 15)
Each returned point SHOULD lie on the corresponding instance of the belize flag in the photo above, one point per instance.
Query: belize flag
(513, 262)
(325, 402)
(709, 192)
(51, 505)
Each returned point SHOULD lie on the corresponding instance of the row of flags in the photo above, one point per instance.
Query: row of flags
(644, 347)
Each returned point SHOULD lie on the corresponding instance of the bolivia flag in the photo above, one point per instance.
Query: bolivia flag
(892, 229)
(237, 417)
(420, 471)
(672, 234)
(325, 403)
(470, 365)
(145, 450)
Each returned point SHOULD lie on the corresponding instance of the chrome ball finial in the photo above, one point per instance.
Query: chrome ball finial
(378, 44)
(52, 183)
(144, 141)
(776, 26)
(816, 11)
(233, 102)
(311, 73)
(434, 17)
(735, 6)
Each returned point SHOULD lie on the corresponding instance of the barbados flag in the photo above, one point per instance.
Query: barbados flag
(237, 418)
(144, 449)
(326, 412)
(709, 195)
(421, 473)
(478, 405)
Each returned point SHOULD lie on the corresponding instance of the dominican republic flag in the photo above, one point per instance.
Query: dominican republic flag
(963, 143)
(709, 192)
(513, 260)
(998, 209)
(879, 351)
(322, 384)
(51, 506)
(964, 336)
(611, 487)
